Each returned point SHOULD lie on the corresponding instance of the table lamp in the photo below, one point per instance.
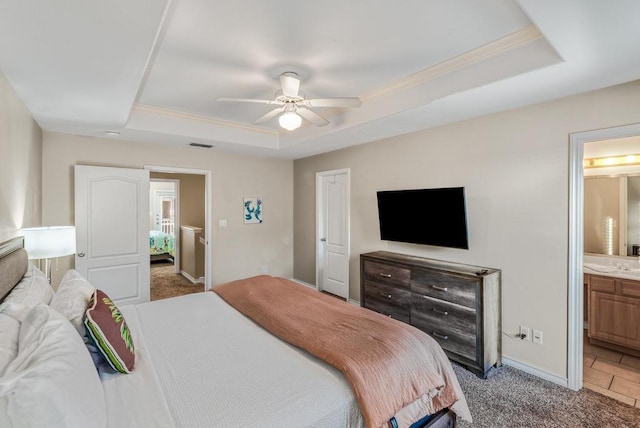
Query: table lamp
(49, 242)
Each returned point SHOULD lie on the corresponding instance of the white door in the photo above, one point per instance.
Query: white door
(112, 230)
(332, 265)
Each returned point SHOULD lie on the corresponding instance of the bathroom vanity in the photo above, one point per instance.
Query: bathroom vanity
(614, 306)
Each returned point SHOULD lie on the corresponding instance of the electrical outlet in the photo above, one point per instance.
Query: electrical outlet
(223, 223)
(537, 337)
(526, 331)
(265, 269)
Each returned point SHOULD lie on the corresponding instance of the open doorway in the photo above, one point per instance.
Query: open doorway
(577, 257)
(611, 346)
(178, 236)
(164, 207)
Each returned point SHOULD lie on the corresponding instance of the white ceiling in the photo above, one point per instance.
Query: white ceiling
(152, 69)
(615, 147)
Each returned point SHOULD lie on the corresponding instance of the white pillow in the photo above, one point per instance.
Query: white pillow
(17, 311)
(72, 298)
(11, 315)
(32, 289)
(52, 381)
(9, 330)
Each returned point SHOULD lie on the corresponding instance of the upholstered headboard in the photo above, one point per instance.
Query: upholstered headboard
(13, 264)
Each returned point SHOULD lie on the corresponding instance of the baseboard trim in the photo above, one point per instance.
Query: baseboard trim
(536, 372)
(190, 278)
(354, 302)
(306, 284)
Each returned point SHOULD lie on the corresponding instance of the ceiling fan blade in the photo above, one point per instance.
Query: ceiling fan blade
(334, 102)
(312, 117)
(290, 84)
(273, 113)
(248, 100)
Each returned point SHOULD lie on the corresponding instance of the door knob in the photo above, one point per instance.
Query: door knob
(323, 239)
(80, 254)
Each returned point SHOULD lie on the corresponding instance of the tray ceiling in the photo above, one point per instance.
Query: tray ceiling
(152, 70)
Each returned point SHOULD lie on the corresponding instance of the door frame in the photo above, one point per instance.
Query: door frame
(176, 216)
(208, 210)
(575, 314)
(320, 224)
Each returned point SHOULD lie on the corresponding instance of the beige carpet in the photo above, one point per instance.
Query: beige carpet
(512, 398)
(165, 283)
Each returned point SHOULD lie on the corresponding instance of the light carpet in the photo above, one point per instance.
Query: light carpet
(512, 398)
(166, 283)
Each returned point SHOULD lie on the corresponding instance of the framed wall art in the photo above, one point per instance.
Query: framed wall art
(253, 210)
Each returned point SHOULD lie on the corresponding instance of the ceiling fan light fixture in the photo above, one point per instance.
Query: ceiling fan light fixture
(289, 120)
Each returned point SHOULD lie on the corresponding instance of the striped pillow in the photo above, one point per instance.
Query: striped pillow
(108, 330)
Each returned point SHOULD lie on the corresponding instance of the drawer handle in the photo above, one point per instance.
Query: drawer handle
(385, 275)
(440, 336)
(435, 287)
(385, 295)
(438, 311)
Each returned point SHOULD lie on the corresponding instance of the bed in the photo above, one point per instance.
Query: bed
(161, 245)
(199, 362)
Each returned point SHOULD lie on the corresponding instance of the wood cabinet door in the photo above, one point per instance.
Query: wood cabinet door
(615, 319)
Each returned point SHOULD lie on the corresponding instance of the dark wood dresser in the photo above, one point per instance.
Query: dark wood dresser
(458, 305)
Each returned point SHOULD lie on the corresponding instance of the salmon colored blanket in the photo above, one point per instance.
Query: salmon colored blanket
(389, 365)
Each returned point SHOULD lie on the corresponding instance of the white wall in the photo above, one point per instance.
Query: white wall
(239, 250)
(514, 167)
(20, 165)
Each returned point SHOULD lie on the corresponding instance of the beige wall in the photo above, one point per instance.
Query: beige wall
(239, 250)
(515, 168)
(20, 165)
(192, 199)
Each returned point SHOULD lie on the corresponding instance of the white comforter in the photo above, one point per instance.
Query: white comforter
(200, 363)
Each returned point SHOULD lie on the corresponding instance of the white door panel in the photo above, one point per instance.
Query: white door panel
(112, 230)
(333, 214)
(126, 276)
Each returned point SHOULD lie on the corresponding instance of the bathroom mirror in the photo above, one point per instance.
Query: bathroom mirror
(612, 215)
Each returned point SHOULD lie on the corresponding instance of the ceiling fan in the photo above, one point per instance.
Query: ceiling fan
(293, 106)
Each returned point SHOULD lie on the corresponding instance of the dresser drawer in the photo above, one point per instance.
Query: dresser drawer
(388, 300)
(387, 274)
(400, 314)
(439, 313)
(448, 335)
(451, 288)
(385, 293)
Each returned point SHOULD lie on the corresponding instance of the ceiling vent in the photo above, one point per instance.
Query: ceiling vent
(204, 146)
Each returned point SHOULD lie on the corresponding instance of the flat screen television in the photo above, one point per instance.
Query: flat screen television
(424, 216)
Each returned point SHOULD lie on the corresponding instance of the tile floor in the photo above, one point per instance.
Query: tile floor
(612, 373)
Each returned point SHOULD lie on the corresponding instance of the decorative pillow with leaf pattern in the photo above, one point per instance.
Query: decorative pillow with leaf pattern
(108, 330)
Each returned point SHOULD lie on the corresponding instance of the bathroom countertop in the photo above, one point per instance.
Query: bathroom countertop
(613, 266)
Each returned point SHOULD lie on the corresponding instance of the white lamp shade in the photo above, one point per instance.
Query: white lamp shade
(289, 120)
(49, 242)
